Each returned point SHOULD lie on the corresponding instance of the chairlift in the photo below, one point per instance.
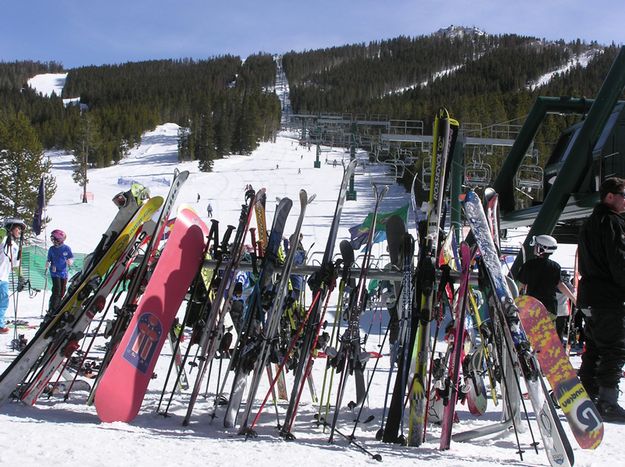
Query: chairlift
(395, 161)
(477, 174)
(530, 175)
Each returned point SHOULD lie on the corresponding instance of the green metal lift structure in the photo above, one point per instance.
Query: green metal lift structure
(586, 154)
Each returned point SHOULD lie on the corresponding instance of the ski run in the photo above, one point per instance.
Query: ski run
(258, 379)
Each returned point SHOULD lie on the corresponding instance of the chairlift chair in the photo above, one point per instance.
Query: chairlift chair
(530, 175)
(477, 174)
(426, 172)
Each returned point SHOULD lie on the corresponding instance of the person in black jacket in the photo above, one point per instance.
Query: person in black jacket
(601, 296)
(540, 276)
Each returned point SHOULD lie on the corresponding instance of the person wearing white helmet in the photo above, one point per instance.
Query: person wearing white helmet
(602, 299)
(9, 259)
(540, 276)
(60, 257)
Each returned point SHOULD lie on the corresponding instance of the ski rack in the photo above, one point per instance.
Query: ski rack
(308, 269)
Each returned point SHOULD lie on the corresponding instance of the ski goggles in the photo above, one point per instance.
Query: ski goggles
(120, 200)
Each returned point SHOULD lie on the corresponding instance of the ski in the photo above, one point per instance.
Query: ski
(62, 324)
(212, 332)
(274, 315)
(445, 133)
(63, 346)
(346, 285)
(555, 442)
(349, 358)
(453, 376)
(255, 314)
(401, 250)
(321, 283)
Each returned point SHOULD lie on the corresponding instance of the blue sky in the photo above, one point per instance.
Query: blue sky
(85, 32)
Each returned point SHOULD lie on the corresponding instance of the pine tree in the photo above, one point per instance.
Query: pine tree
(185, 144)
(205, 147)
(87, 143)
(22, 165)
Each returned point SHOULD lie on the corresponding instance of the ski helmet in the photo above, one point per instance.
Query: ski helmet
(58, 235)
(544, 244)
(11, 222)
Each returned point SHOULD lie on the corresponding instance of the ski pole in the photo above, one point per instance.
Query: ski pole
(43, 295)
(353, 442)
(362, 405)
(286, 358)
(86, 352)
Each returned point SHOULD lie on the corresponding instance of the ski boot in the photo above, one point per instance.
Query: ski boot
(608, 406)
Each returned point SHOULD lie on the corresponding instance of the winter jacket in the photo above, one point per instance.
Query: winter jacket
(542, 276)
(57, 257)
(8, 258)
(602, 260)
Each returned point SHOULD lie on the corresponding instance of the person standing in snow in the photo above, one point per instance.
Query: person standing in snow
(209, 210)
(540, 276)
(60, 257)
(9, 259)
(601, 297)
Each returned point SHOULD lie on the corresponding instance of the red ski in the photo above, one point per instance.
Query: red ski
(122, 388)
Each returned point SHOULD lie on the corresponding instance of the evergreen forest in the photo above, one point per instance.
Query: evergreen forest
(226, 105)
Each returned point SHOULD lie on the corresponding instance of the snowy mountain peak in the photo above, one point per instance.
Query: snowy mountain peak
(459, 31)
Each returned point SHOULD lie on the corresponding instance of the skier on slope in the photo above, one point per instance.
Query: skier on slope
(9, 259)
(60, 258)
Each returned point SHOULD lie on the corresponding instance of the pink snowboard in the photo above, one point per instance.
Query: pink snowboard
(122, 388)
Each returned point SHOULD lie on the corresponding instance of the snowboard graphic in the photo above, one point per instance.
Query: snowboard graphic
(121, 390)
(580, 411)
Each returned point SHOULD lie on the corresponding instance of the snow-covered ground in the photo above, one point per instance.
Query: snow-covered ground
(54, 432)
